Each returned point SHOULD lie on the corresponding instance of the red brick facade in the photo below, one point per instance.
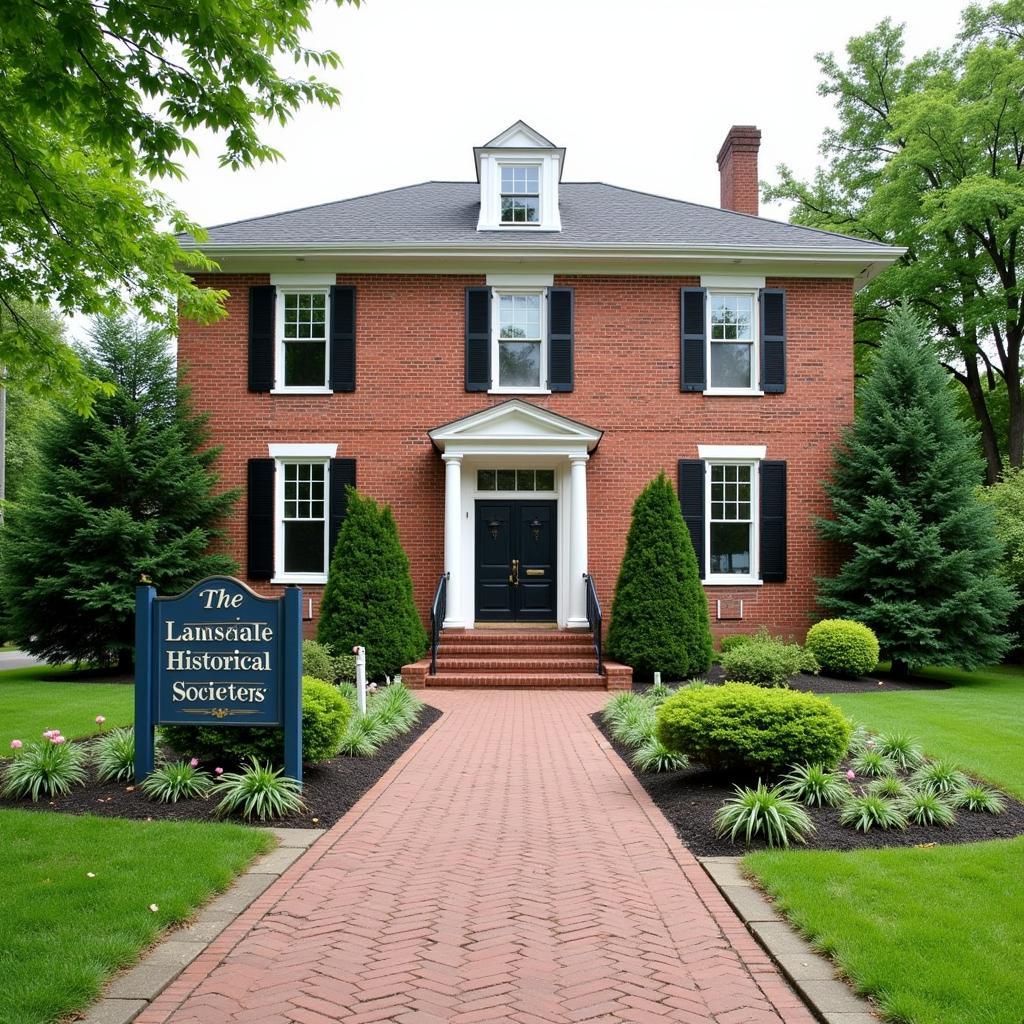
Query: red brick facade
(410, 359)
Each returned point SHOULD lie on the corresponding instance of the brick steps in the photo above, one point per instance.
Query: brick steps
(506, 659)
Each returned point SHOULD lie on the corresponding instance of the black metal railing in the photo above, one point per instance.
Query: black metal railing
(438, 611)
(594, 620)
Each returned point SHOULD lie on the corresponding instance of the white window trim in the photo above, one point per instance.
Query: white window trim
(732, 452)
(296, 453)
(753, 578)
(755, 344)
(280, 388)
(496, 388)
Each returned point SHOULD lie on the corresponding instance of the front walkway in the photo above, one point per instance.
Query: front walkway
(507, 869)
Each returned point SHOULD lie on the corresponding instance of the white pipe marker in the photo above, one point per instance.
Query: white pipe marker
(360, 653)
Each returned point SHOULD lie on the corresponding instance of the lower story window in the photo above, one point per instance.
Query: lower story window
(304, 517)
(731, 520)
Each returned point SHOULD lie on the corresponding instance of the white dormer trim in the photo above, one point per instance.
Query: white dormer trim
(518, 145)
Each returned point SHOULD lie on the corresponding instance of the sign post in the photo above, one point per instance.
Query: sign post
(360, 653)
(220, 655)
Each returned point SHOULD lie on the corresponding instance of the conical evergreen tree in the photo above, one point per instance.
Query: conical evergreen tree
(368, 597)
(659, 613)
(922, 554)
(123, 494)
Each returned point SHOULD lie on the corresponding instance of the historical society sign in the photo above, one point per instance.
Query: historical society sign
(219, 654)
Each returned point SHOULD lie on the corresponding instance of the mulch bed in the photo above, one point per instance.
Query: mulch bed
(689, 799)
(329, 790)
(831, 684)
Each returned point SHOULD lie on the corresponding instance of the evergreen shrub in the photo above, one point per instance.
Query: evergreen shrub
(325, 717)
(727, 643)
(317, 661)
(368, 598)
(748, 729)
(765, 660)
(843, 647)
(659, 612)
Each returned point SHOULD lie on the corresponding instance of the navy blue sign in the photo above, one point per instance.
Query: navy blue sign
(219, 654)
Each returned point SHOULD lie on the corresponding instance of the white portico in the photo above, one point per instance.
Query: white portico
(522, 457)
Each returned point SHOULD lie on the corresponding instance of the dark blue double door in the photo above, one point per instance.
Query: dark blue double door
(516, 555)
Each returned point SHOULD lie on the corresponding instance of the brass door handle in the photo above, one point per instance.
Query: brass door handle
(514, 577)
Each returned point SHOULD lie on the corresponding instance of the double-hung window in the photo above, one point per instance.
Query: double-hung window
(732, 341)
(302, 519)
(303, 318)
(520, 194)
(731, 518)
(519, 348)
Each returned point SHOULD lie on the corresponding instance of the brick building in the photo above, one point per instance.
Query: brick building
(507, 362)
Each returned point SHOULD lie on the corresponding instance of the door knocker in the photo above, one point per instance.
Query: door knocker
(535, 528)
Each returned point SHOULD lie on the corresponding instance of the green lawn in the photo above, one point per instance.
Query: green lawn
(63, 933)
(935, 935)
(977, 723)
(35, 699)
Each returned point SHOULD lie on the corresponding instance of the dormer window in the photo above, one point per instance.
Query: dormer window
(520, 194)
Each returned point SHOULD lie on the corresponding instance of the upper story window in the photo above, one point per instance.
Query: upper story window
(519, 341)
(302, 338)
(731, 522)
(732, 341)
(520, 194)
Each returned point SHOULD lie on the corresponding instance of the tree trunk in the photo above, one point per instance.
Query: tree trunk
(1015, 431)
(989, 441)
(900, 669)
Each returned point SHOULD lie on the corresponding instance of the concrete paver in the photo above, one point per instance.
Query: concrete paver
(508, 870)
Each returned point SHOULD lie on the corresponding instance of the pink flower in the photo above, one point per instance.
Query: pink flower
(851, 775)
(100, 719)
(194, 763)
(218, 771)
(16, 744)
(50, 733)
(58, 739)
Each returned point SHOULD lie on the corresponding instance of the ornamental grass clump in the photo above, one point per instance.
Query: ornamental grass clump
(873, 764)
(747, 729)
(902, 749)
(815, 785)
(177, 780)
(843, 647)
(46, 768)
(889, 788)
(940, 777)
(763, 813)
(115, 756)
(637, 724)
(974, 797)
(765, 660)
(865, 812)
(926, 807)
(616, 707)
(389, 712)
(258, 791)
(654, 757)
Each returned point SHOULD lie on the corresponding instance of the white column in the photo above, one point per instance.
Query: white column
(577, 540)
(453, 538)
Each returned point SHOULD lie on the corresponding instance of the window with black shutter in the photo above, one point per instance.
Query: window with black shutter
(478, 339)
(773, 341)
(691, 503)
(343, 338)
(773, 521)
(560, 339)
(692, 335)
(262, 300)
(260, 519)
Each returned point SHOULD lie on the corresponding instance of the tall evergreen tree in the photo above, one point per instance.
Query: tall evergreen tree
(659, 613)
(368, 598)
(124, 494)
(923, 558)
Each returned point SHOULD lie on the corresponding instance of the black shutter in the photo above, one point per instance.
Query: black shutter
(260, 498)
(560, 330)
(262, 300)
(692, 371)
(773, 522)
(343, 474)
(773, 341)
(343, 338)
(691, 501)
(478, 339)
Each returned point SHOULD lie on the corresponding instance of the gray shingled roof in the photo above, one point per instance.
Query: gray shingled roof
(592, 214)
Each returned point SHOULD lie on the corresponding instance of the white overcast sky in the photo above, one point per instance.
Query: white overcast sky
(640, 92)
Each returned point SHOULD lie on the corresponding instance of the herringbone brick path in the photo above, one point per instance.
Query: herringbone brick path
(507, 869)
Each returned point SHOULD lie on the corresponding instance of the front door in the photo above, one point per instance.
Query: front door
(515, 561)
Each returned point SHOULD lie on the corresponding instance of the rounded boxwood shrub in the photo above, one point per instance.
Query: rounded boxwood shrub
(843, 647)
(747, 729)
(765, 660)
(325, 715)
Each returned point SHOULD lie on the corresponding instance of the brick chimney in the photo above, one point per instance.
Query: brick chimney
(737, 167)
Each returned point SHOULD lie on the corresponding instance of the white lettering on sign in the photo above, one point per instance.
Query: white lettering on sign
(205, 661)
(228, 632)
(218, 597)
(212, 691)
